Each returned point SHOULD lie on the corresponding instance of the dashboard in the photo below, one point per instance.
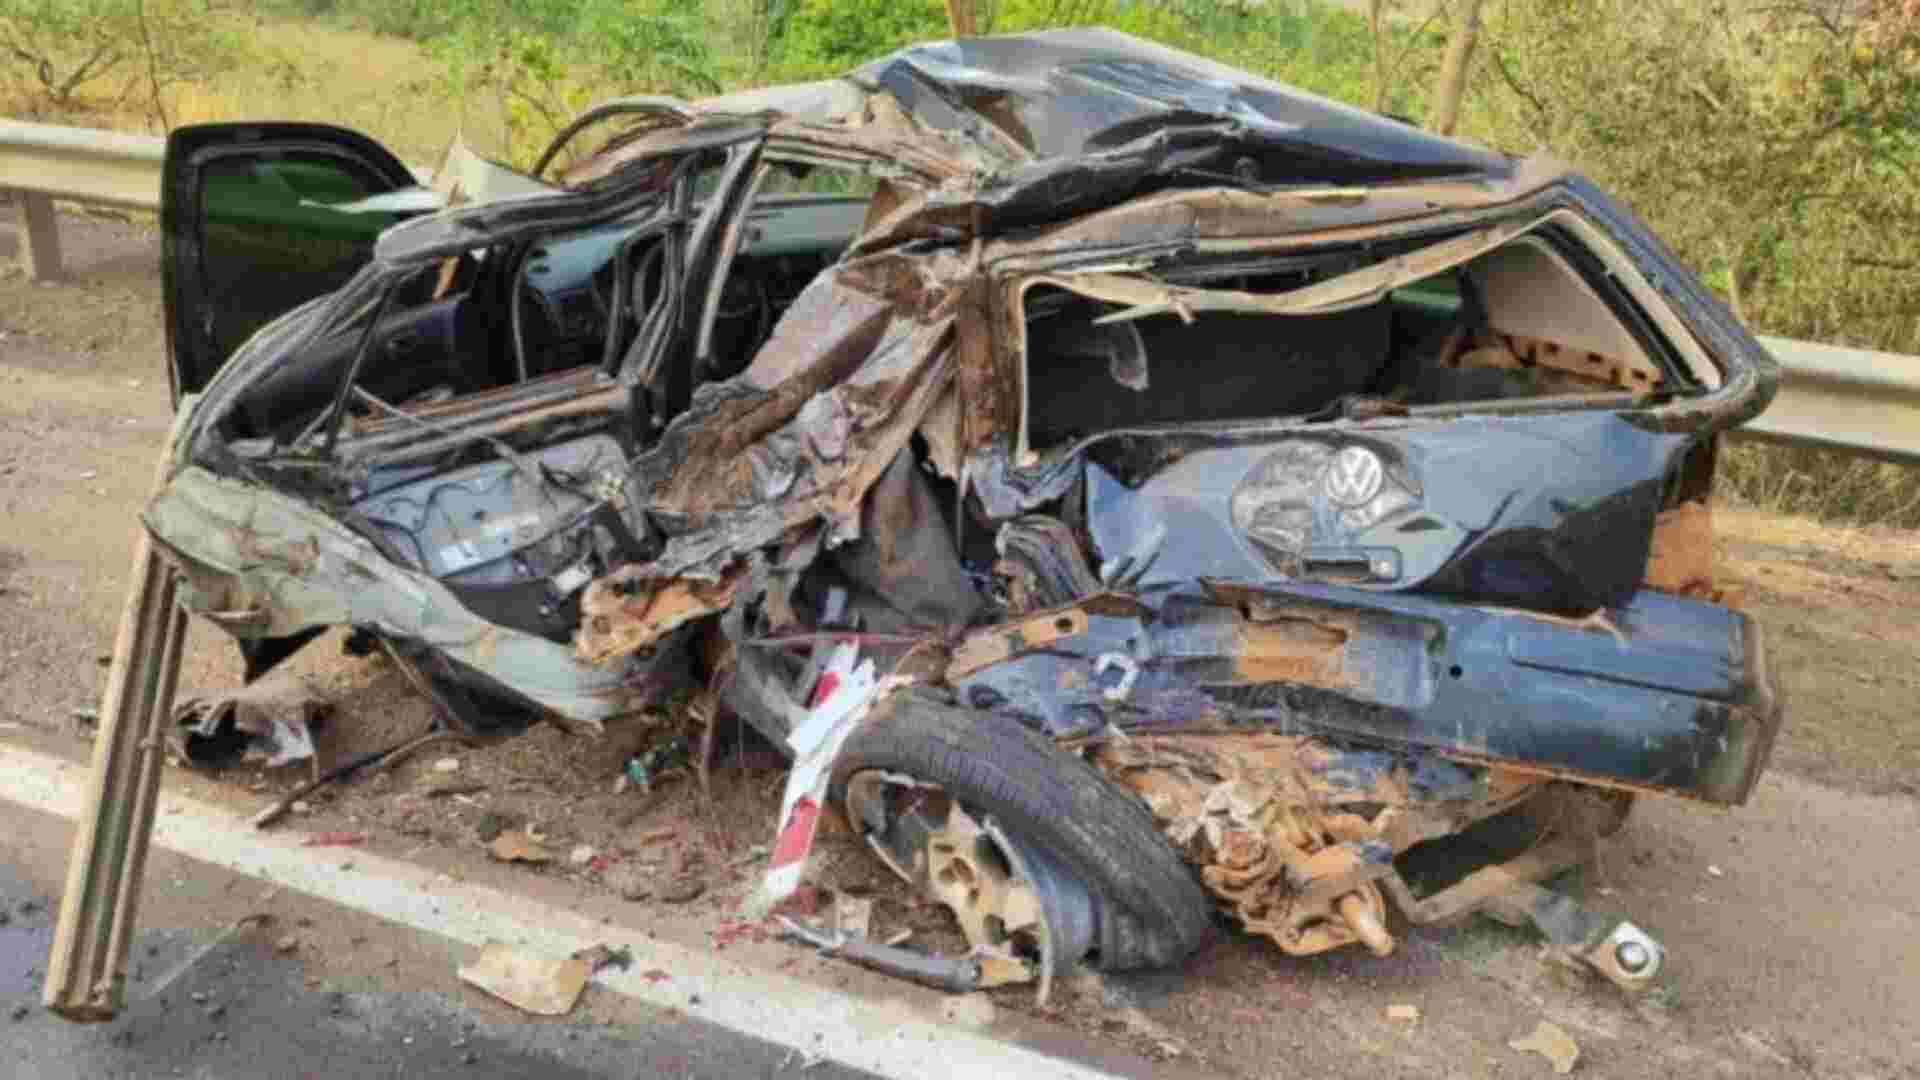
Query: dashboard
(565, 292)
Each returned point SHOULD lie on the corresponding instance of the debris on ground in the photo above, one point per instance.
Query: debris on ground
(600, 957)
(974, 1010)
(439, 786)
(853, 915)
(490, 826)
(1550, 1041)
(533, 982)
(630, 882)
(954, 974)
(644, 770)
(286, 945)
(447, 765)
(376, 760)
(733, 931)
(682, 890)
(334, 839)
(1406, 1014)
(804, 902)
(270, 722)
(518, 846)
(582, 856)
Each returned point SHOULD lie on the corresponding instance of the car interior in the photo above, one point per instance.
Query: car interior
(1516, 322)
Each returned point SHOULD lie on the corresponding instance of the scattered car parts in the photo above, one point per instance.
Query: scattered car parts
(269, 722)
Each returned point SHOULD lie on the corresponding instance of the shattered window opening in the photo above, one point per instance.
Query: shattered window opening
(1421, 344)
(799, 217)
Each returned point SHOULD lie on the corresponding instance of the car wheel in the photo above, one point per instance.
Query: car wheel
(967, 803)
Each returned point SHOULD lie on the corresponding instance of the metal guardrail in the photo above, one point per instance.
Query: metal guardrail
(1857, 401)
(41, 162)
(1852, 400)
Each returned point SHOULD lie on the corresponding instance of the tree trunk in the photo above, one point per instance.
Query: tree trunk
(960, 17)
(1452, 84)
(1375, 30)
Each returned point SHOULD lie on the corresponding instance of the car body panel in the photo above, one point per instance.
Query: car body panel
(262, 565)
(1665, 694)
(262, 186)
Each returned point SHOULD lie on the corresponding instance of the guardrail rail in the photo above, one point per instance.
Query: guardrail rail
(41, 162)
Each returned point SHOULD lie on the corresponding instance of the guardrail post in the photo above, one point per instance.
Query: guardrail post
(38, 232)
(86, 976)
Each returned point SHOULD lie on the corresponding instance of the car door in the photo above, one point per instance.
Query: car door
(257, 219)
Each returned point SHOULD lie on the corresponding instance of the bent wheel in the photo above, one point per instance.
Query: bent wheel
(1040, 858)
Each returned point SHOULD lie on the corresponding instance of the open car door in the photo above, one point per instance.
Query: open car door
(255, 220)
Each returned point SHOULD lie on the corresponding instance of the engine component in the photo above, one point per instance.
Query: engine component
(500, 521)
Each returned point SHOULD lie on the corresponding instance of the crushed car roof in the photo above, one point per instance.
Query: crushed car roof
(1045, 126)
(1070, 93)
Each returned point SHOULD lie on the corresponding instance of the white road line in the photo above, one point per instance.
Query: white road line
(888, 1038)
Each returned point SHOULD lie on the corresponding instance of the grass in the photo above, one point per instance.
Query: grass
(1824, 485)
(382, 86)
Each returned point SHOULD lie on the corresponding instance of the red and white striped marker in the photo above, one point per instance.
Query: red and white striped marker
(839, 701)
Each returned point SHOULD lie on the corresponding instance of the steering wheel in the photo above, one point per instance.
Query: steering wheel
(646, 289)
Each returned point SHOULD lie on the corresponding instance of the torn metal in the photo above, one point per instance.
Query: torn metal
(1320, 485)
(269, 722)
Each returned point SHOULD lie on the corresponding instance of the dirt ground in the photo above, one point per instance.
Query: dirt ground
(1791, 921)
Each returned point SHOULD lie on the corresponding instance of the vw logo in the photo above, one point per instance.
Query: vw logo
(1353, 477)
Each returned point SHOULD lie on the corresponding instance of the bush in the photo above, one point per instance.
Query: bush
(827, 37)
(135, 50)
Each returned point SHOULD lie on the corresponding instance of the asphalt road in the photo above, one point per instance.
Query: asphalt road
(214, 996)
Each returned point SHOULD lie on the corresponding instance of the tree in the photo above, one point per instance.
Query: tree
(1451, 86)
(960, 18)
(1774, 143)
(60, 48)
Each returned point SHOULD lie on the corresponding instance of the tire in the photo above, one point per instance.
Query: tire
(1151, 910)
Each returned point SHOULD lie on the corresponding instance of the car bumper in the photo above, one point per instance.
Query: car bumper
(1665, 694)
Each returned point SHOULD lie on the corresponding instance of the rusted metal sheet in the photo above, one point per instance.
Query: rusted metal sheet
(1682, 557)
(1293, 833)
(623, 612)
(267, 564)
(991, 644)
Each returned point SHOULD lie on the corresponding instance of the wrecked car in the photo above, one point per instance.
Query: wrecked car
(1233, 494)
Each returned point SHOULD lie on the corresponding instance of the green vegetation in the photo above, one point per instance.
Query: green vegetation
(1774, 143)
